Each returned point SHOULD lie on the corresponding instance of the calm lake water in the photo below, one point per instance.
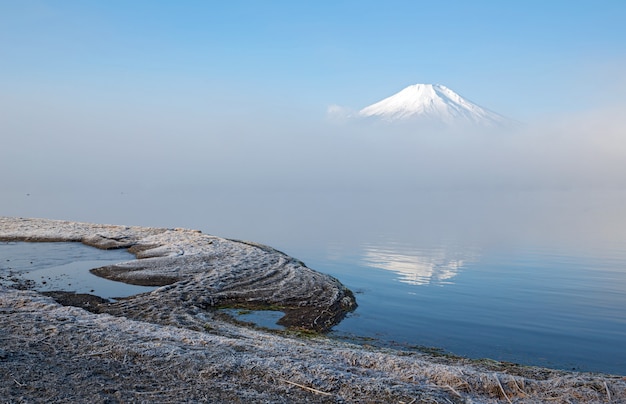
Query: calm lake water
(561, 309)
(532, 277)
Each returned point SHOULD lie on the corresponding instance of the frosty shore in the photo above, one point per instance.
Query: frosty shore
(198, 272)
(170, 345)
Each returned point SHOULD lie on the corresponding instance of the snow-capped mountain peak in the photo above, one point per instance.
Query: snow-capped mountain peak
(433, 103)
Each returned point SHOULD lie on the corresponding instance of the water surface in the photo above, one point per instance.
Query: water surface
(558, 309)
(63, 267)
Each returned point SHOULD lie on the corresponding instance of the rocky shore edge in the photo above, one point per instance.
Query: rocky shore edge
(169, 346)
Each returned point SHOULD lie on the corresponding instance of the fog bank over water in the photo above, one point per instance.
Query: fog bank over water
(295, 180)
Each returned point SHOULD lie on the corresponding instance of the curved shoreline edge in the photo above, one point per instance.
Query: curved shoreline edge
(167, 347)
(197, 271)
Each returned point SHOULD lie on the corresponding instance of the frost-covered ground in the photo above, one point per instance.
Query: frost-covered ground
(169, 347)
(198, 272)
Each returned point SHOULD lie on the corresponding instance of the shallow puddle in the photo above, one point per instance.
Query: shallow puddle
(63, 267)
(261, 318)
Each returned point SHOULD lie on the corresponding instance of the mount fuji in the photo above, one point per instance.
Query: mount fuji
(432, 103)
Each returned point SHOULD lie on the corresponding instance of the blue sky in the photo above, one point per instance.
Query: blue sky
(162, 112)
(523, 59)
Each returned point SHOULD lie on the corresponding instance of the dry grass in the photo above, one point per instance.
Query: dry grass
(57, 353)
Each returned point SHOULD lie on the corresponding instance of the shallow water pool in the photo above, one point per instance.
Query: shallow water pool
(63, 267)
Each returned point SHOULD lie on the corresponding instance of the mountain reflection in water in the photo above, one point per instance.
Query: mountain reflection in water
(435, 266)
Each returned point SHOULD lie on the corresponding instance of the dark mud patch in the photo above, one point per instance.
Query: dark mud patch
(115, 273)
(85, 301)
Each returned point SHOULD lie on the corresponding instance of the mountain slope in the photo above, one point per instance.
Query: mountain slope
(433, 103)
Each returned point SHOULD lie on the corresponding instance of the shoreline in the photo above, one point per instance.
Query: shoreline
(196, 272)
(169, 347)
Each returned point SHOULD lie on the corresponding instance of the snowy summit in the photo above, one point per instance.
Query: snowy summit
(432, 103)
